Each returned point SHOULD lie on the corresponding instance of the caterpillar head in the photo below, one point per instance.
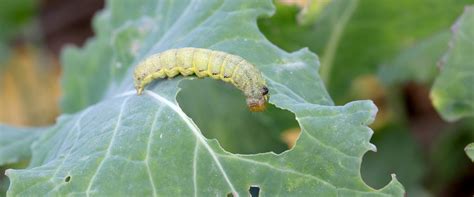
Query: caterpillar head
(257, 102)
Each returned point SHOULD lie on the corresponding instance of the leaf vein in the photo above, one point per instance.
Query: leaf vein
(147, 157)
(107, 154)
(196, 132)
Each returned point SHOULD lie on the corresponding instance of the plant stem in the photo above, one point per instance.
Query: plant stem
(331, 47)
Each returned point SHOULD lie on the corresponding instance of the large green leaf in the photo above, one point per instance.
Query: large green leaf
(119, 143)
(453, 91)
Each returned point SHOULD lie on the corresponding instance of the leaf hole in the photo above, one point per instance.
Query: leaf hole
(220, 111)
(254, 191)
(67, 179)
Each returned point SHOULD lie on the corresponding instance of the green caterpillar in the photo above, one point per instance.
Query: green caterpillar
(205, 63)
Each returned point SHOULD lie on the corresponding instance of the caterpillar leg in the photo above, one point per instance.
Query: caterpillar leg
(201, 73)
(172, 72)
(186, 71)
(139, 90)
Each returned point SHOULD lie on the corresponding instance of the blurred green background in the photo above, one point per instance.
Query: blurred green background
(385, 51)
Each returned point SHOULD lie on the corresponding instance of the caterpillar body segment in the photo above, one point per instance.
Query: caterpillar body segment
(205, 63)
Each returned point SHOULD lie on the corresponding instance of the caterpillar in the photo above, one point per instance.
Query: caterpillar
(205, 63)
